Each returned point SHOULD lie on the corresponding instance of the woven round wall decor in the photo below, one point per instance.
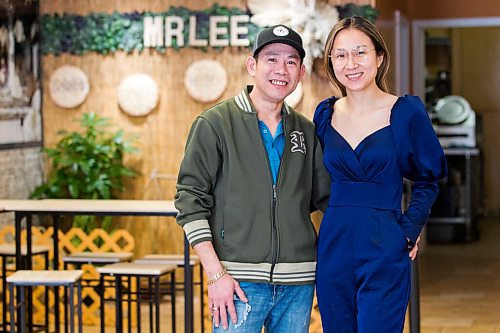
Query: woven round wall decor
(205, 80)
(68, 86)
(138, 95)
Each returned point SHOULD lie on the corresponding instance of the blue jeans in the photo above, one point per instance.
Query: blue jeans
(277, 308)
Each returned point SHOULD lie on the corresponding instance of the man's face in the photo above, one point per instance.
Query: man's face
(276, 72)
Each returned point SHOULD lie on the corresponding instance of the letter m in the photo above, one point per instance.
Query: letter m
(153, 31)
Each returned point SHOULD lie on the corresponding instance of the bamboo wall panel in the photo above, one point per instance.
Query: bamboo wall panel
(162, 134)
(83, 7)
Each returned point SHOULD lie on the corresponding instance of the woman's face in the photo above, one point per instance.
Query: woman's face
(355, 60)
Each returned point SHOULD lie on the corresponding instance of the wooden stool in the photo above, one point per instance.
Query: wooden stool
(30, 278)
(95, 259)
(178, 260)
(8, 251)
(152, 272)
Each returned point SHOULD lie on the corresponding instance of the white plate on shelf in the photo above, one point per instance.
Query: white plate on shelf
(452, 109)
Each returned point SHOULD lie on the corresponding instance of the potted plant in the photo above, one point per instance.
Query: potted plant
(87, 165)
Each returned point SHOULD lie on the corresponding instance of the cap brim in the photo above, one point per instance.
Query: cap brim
(299, 49)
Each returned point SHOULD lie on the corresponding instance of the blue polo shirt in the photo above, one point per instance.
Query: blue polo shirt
(274, 147)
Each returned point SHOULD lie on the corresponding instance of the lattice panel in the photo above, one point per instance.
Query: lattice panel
(75, 240)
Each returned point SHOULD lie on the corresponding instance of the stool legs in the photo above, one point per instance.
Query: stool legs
(80, 307)
(150, 304)
(102, 292)
(118, 304)
(23, 311)
(5, 289)
(46, 297)
(129, 302)
(72, 309)
(11, 308)
(21, 307)
(153, 296)
(138, 307)
(4, 295)
(157, 301)
(78, 286)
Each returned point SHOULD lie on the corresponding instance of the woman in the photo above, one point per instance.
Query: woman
(371, 141)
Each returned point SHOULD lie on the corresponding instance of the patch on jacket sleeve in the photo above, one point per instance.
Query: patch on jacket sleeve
(298, 142)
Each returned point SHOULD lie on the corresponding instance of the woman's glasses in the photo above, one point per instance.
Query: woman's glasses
(340, 57)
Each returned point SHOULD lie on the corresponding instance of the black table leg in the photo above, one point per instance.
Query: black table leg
(19, 264)
(414, 299)
(172, 287)
(29, 266)
(18, 218)
(102, 294)
(4, 294)
(55, 221)
(188, 289)
(118, 304)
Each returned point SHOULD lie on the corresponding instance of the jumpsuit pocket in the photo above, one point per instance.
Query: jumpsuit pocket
(390, 219)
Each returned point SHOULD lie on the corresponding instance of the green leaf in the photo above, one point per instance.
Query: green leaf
(87, 164)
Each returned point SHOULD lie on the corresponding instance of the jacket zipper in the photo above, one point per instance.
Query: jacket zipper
(276, 243)
(274, 236)
(274, 231)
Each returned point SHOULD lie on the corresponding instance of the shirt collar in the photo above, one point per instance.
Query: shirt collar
(244, 103)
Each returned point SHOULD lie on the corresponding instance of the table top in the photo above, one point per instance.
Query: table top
(91, 207)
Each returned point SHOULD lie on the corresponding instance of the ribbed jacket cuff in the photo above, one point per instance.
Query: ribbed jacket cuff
(197, 231)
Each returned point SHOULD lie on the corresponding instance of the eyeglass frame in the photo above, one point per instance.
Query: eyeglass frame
(350, 53)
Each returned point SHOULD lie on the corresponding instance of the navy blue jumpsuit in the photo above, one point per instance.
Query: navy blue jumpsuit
(363, 271)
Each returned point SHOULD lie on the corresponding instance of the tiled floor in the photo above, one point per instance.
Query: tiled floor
(459, 288)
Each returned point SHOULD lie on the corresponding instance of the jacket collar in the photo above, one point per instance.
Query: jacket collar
(245, 104)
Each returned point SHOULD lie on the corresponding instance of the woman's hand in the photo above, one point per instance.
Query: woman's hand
(414, 251)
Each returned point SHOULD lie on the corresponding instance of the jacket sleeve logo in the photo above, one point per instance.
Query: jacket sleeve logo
(298, 142)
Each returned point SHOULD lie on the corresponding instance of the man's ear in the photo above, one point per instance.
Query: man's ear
(302, 71)
(251, 64)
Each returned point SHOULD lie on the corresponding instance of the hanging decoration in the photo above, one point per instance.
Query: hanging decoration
(138, 94)
(205, 80)
(68, 86)
(313, 20)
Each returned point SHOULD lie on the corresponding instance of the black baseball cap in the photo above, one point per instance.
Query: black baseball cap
(279, 34)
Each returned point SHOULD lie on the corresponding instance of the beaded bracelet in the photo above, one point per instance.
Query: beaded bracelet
(216, 277)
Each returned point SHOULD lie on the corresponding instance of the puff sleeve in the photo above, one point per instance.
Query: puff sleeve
(421, 160)
(322, 117)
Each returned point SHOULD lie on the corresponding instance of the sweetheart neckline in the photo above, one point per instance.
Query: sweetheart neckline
(363, 140)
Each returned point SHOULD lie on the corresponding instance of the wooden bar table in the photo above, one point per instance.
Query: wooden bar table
(25, 209)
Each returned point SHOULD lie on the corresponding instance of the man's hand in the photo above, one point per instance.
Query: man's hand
(221, 301)
(414, 251)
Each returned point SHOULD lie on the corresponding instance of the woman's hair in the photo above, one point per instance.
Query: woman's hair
(371, 31)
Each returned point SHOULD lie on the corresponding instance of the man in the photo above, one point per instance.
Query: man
(251, 175)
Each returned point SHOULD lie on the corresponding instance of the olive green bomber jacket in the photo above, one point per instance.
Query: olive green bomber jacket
(225, 193)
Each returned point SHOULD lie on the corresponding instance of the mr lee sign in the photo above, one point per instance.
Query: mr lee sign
(159, 31)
